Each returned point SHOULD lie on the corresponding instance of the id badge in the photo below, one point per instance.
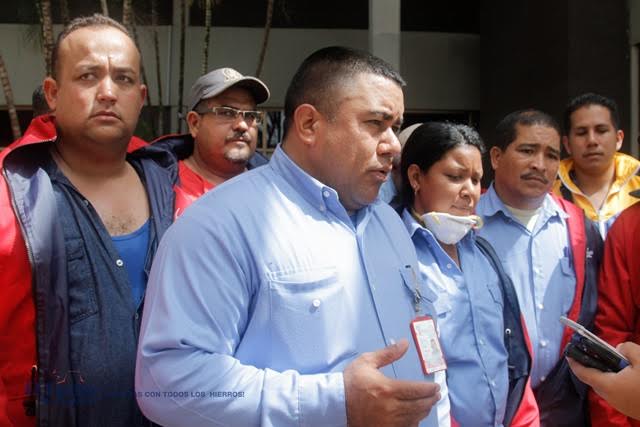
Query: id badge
(425, 336)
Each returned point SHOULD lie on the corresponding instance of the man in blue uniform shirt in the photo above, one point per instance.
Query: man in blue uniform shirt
(550, 251)
(290, 289)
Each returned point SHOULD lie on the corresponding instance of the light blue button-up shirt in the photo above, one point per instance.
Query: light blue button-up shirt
(388, 190)
(469, 309)
(541, 267)
(262, 292)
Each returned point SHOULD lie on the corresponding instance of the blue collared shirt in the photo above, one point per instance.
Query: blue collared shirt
(469, 309)
(262, 292)
(541, 267)
(388, 190)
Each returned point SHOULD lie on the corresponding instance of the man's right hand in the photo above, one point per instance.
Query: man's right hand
(376, 400)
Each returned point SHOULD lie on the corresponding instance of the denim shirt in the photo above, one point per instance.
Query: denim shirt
(263, 292)
(104, 320)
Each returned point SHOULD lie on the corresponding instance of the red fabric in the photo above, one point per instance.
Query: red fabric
(191, 187)
(618, 315)
(136, 143)
(578, 241)
(528, 414)
(17, 308)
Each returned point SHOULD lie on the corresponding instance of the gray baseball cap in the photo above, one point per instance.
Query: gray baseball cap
(217, 81)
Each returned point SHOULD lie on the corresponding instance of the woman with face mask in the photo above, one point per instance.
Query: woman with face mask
(478, 318)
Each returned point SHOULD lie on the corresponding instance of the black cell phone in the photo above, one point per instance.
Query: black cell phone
(577, 354)
(592, 351)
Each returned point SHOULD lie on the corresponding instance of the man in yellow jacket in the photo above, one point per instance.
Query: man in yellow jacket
(596, 177)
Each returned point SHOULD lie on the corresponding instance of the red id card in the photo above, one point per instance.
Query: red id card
(425, 336)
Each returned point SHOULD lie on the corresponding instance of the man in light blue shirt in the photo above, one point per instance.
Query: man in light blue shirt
(530, 231)
(273, 297)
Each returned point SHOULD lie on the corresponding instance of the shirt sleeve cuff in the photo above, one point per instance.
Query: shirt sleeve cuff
(322, 400)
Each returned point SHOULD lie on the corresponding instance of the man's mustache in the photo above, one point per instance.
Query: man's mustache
(533, 175)
(240, 136)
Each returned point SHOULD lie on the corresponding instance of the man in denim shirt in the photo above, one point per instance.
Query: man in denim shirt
(81, 220)
(284, 296)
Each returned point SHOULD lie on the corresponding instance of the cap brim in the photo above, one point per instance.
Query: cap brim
(635, 193)
(258, 89)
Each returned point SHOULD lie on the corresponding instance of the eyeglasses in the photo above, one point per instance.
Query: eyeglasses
(231, 114)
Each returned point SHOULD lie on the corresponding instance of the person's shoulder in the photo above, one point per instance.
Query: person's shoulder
(488, 203)
(240, 193)
(630, 217)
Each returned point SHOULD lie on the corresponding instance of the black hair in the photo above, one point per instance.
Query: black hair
(95, 20)
(585, 100)
(39, 102)
(428, 144)
(507, 132)
(324, 71)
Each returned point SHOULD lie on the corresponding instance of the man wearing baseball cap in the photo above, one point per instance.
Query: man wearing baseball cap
(223, 132)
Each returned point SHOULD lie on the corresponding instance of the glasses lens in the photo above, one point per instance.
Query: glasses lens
(252, 117)
(226, 112)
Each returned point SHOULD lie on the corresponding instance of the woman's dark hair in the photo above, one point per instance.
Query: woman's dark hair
(428, 144)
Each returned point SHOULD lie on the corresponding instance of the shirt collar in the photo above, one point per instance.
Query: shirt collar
(492, 204)
(319, 195)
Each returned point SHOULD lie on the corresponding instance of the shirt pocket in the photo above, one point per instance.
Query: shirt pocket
(566, 266)
(80, 284)
(442, 306)
(307, 308)
(496, 293)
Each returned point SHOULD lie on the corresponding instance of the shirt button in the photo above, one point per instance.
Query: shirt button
(316, 303)
(449, 265)
(322, 208)
(326, 194)
(540, 306)
(136, 316)
(493, 383)
(86, 202)
(542, 378)
(481, 342)
(543, 343)
(119, 262)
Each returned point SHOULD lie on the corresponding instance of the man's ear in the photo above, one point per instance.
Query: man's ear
(194, 120)
(495, 153)
(143, 95)
(307, 122)
(50, 88)
(565, 143)
(620, 138)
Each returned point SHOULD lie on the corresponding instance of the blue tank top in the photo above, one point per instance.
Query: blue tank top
(132, 248)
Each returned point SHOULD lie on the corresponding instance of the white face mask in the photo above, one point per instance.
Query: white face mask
(449, 229)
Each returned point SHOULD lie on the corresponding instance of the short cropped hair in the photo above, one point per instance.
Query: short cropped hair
(428, 144)
(95, 20)
(324, 71)
(585, 100)
(506, 131)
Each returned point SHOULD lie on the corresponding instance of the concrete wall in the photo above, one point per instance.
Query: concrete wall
(442, 69)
